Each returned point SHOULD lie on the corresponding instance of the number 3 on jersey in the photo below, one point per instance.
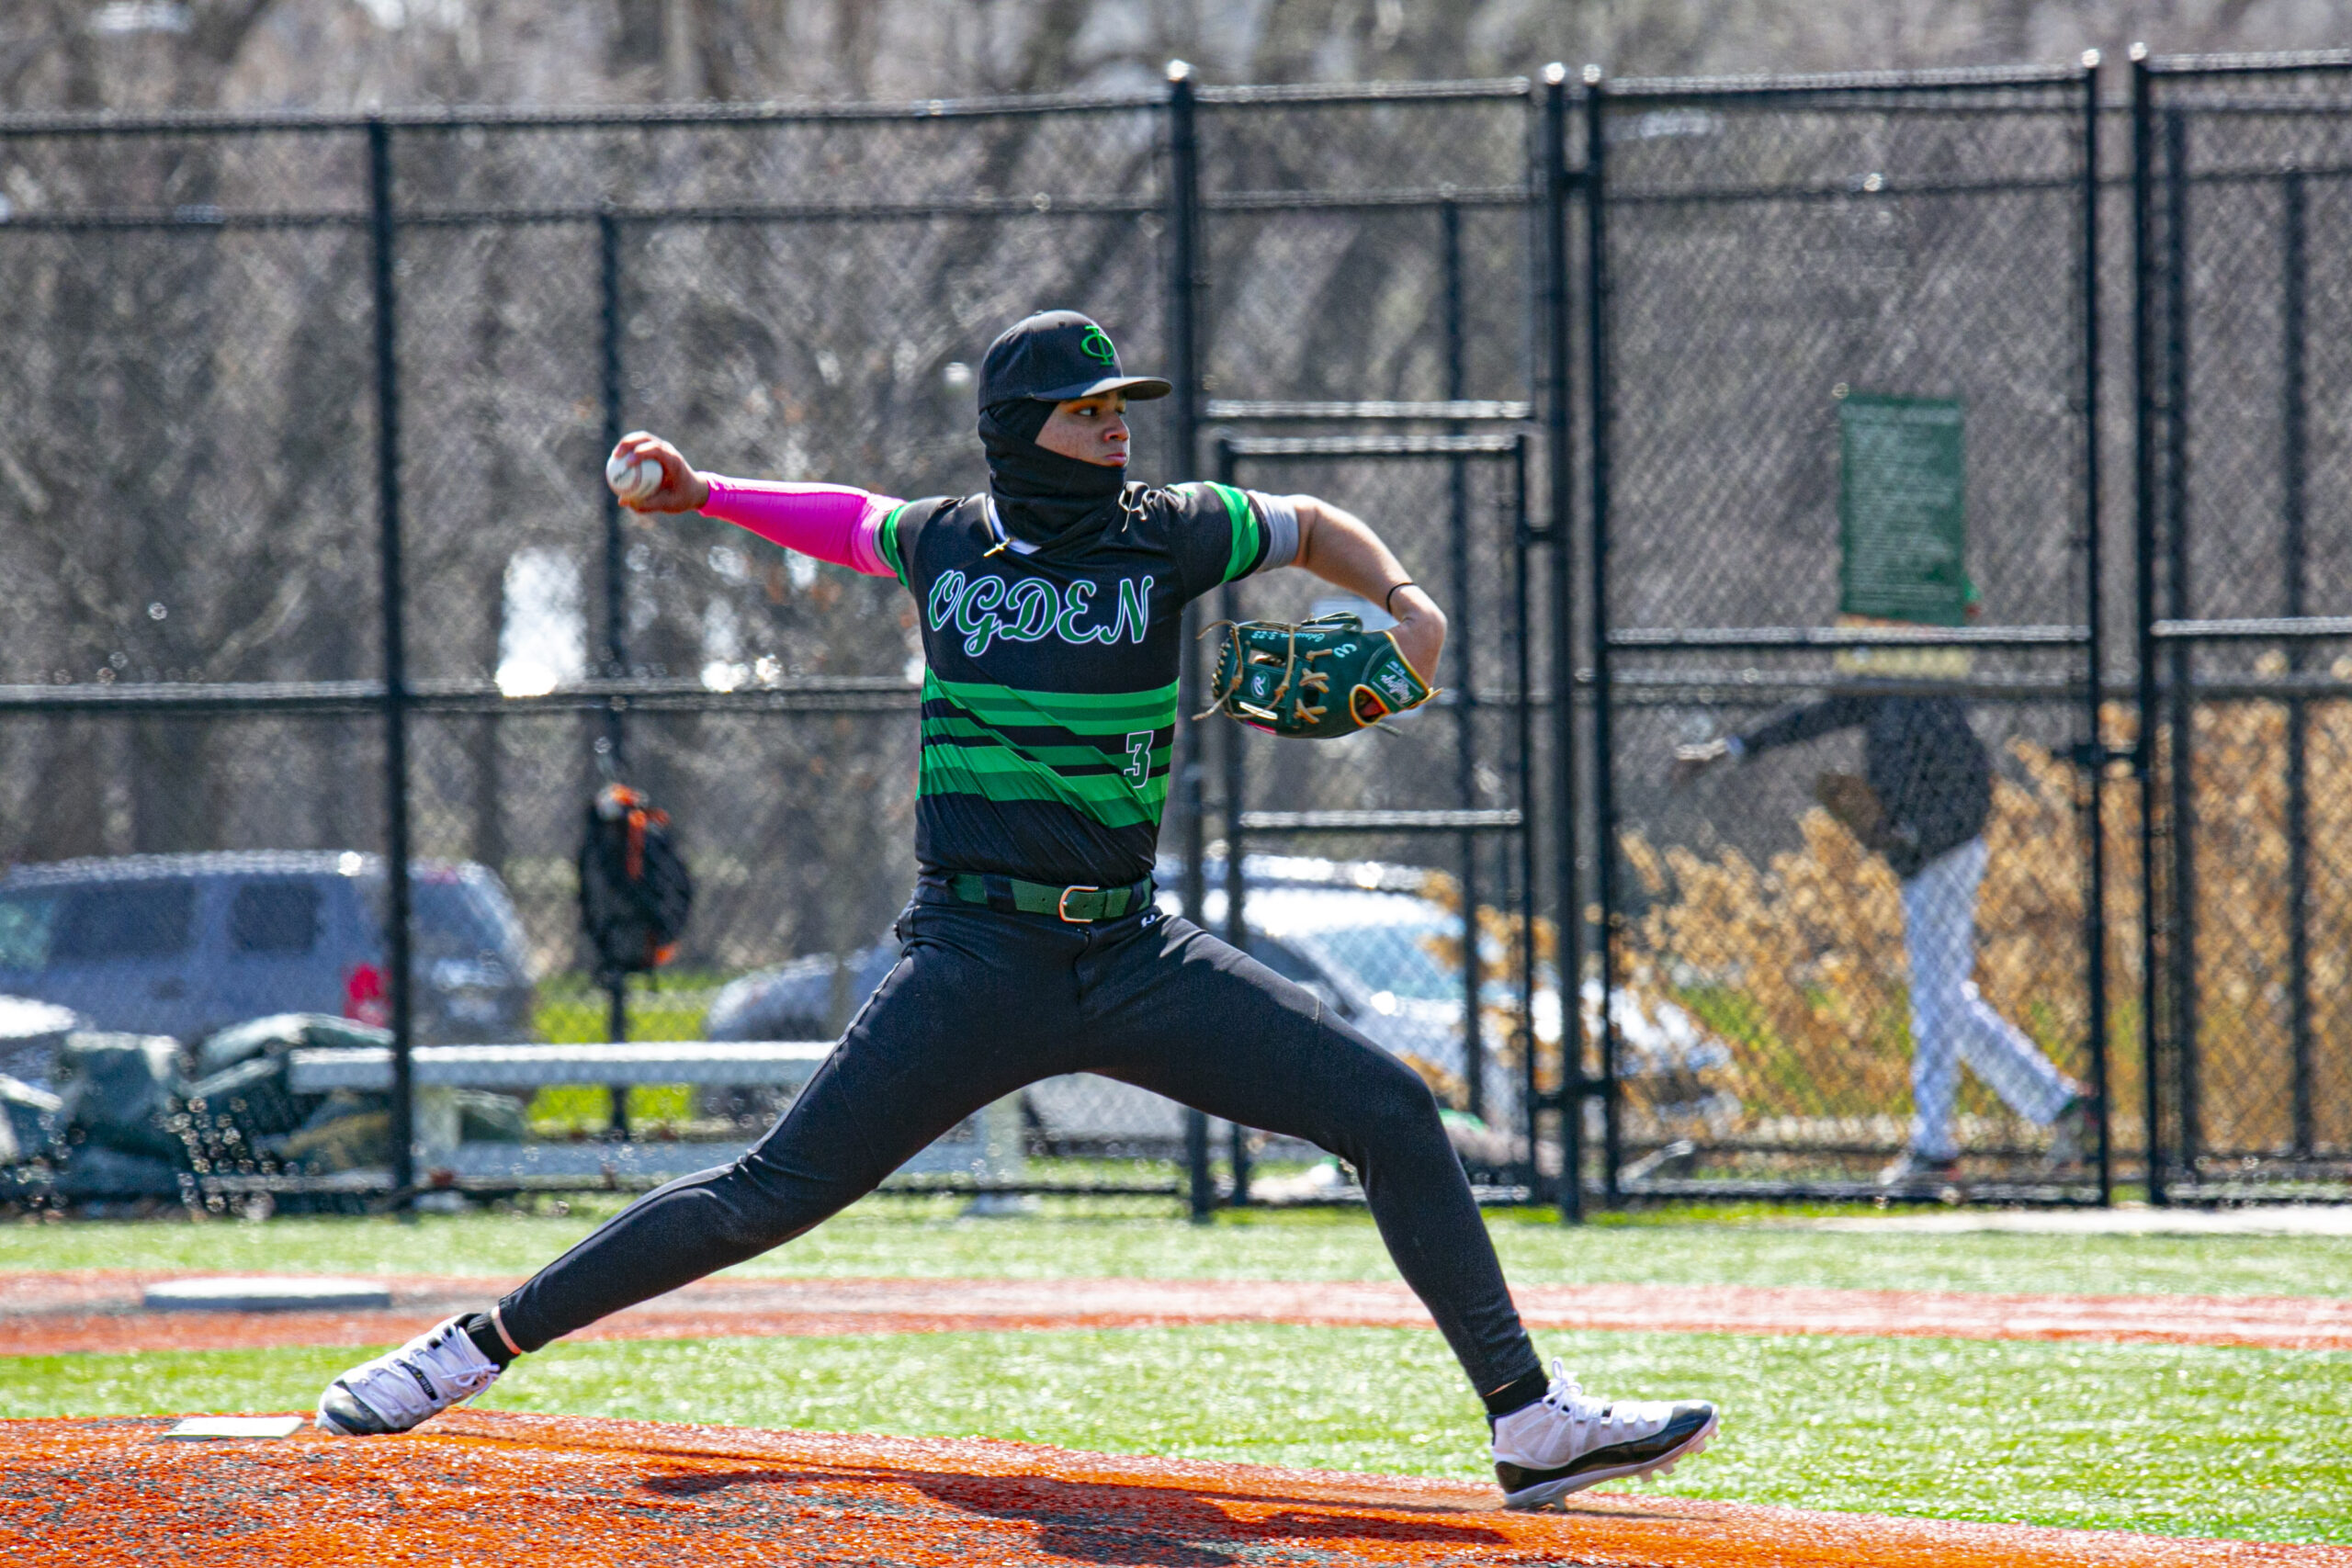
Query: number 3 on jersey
(1138, 766)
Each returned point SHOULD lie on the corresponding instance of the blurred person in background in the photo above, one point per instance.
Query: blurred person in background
(1921, 804)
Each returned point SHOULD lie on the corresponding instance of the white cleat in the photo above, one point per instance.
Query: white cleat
(394, 1391)
(1567, 1440)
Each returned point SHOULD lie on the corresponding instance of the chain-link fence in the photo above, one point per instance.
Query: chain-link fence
(1437, 966)
(312, 413)
(1839, 527)
(2238, 198)
(1371, 285)
(1755, 413)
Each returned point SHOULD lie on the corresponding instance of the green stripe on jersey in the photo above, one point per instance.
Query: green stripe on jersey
(947, 727)
(1081, 713)
(1000, 773)
(1060, 757)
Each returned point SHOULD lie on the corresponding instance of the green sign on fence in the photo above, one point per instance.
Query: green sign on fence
(1902, 520)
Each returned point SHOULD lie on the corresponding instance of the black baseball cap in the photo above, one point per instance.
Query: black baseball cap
(1055, 356)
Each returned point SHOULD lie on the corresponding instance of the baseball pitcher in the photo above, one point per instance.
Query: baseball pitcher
(1051, 613)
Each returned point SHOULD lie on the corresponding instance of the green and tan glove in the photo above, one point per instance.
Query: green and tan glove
(1316, 679)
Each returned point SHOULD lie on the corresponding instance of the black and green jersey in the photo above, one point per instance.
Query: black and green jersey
(1050, 692)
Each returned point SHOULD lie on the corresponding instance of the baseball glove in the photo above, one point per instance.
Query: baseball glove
(1315, 680)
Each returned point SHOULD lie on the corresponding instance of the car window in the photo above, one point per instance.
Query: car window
(1281, 960)
(274, 917)
(27, 921)
(135, 920)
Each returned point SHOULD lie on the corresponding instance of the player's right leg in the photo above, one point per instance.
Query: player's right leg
(1939, 947)
(1182, 1013)
(929, 1049)
(1950, 1023)
(1998, 1051)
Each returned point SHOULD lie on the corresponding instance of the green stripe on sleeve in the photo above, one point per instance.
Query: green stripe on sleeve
(1249, 534)
(886, 537)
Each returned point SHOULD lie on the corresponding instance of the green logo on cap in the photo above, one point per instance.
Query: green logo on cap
(1096, 344)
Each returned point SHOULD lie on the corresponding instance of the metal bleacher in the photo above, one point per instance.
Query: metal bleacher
(987, 1148)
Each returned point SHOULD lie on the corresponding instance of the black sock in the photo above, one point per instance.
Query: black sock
(1517, 1394)
(484, 1334)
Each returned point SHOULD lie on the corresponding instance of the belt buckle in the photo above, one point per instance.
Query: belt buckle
(1061, 904)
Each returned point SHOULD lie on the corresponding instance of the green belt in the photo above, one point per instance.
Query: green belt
(1074, 904)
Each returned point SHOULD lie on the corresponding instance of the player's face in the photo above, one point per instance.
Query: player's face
(1092, 430)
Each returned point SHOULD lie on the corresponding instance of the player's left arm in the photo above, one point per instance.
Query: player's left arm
(1341, 548)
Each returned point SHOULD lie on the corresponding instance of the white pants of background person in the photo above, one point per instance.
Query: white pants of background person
(1949, 1022)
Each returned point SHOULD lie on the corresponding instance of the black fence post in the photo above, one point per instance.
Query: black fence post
(1559, 455)
(1465, 693)
(1523, 738)
(2294, 464)
(609, 380)
(2180, 653)
(1560, 506)
(608, 281)
(1234, 788)
(2095, 907)
(1183, 371)
(2154, 943)
(383, 236)
(1604, 760)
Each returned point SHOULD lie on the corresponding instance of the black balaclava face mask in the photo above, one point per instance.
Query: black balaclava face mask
(1041, 495)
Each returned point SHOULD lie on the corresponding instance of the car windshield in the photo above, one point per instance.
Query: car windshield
(451, 922)
(1401, 959)
(451, 915)
(1372, 941)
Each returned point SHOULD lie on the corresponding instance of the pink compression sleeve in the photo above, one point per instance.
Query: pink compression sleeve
(832, 523)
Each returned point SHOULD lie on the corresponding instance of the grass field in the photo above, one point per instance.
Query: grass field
(571, 1009)
(2173, 1439)
(925, 1238)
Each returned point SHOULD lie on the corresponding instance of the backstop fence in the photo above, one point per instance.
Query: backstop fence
(1765, 412)
(2238, 193)
(1886, 400)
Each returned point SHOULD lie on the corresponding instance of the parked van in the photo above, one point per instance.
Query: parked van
(186, 944)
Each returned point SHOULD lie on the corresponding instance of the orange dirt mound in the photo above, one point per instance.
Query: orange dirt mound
(511, 1491)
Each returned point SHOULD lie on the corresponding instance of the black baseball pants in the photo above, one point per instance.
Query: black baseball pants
(982, 1002)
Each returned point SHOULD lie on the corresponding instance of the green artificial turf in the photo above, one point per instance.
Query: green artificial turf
(919, 1238)
(2171, 1439)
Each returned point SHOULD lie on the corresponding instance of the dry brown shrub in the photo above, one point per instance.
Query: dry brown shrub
(2242, 921)
(1798, 965)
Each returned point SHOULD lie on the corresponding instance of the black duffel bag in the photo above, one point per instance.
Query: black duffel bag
(635, 891)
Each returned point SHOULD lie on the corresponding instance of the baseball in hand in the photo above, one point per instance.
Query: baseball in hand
(633, 481)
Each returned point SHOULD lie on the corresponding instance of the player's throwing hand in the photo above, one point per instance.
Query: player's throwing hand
(1691, 761)
(650, 475)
